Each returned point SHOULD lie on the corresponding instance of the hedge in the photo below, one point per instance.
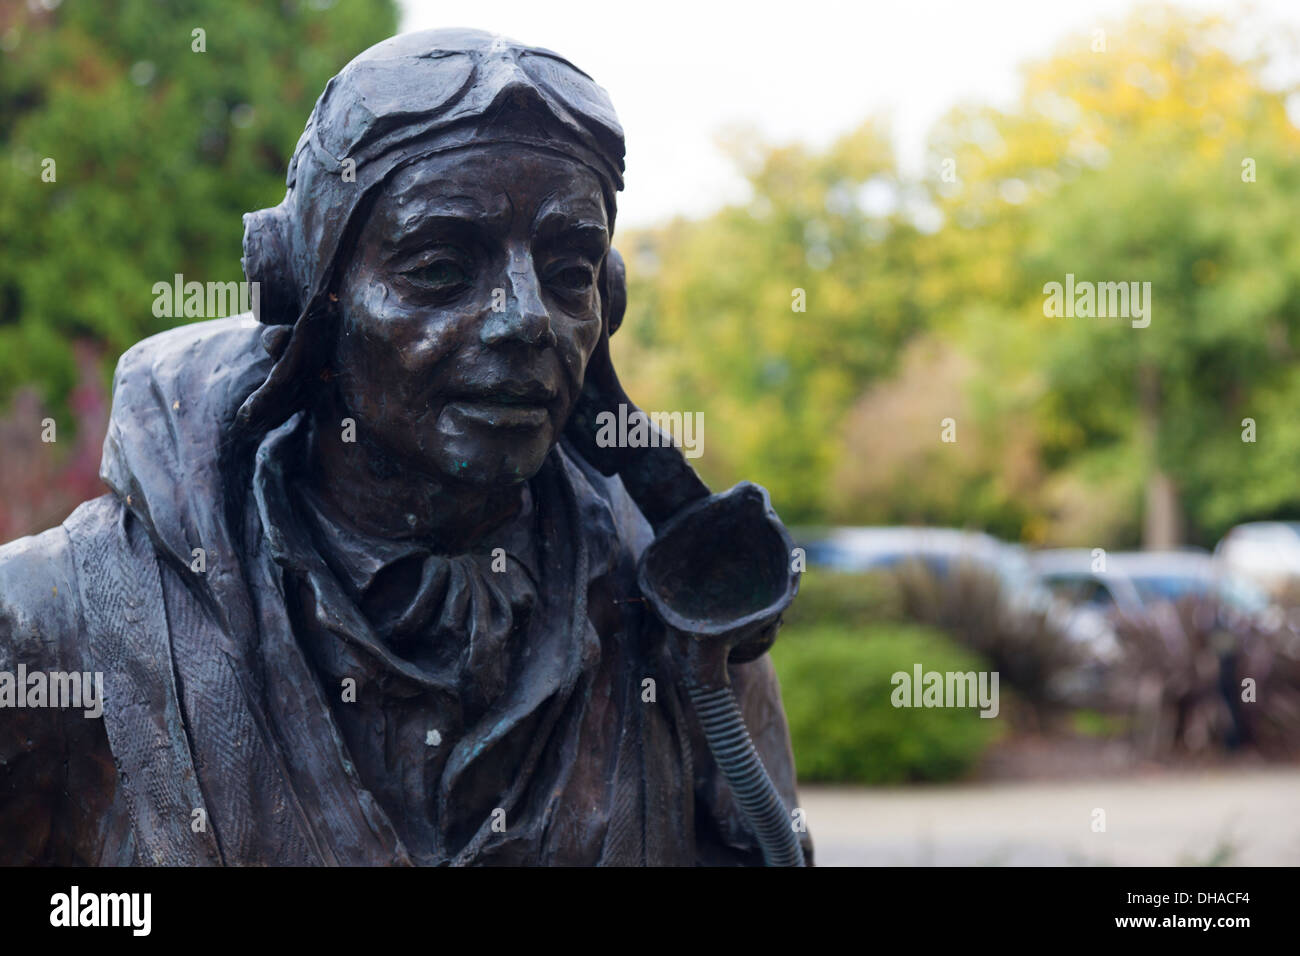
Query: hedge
(836, 685)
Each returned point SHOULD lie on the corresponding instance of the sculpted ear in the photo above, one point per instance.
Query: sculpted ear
(266, 262)
(601, 390)
(613, 291)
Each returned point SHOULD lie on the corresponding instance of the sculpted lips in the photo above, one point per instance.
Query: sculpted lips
(499, 415)
(505, 405)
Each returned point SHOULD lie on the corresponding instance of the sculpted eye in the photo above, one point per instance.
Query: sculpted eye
(441, 275)
(572, 279)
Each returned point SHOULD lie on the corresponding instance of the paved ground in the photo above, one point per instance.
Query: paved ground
(1233, 817)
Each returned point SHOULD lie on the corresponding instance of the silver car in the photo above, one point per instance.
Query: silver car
(941, 550)
(1132, 582)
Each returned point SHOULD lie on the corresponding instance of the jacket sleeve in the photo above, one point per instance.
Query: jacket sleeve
(56, 770)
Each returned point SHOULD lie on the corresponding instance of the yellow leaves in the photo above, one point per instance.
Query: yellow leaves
(1164, 76)
(1117, 165)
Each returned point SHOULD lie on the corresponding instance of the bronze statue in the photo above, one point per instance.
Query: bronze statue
(368, 589)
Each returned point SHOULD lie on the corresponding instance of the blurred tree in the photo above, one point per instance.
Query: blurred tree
(1165, 158)
(1164, 154)
(772, 317)
(160, 137)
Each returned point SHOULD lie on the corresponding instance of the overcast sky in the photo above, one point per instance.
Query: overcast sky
(679, 72)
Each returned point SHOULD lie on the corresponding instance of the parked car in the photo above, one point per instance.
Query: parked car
(1132, 582)
(1266, 553)
(874, 549)
(941, 551)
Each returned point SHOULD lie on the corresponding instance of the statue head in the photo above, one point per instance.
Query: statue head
(440, 267)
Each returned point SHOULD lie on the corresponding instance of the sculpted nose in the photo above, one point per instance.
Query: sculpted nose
(524, 318)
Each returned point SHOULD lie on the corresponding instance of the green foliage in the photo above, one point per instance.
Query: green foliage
(158, 151)
(1093, 723)
(1127, 165)
(836, 689)
(1165, 160)
(849, 601)
(712, 322)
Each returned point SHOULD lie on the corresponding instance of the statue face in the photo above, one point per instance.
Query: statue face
(469, 310)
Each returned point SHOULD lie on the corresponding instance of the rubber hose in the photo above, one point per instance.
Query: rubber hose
(729, 740)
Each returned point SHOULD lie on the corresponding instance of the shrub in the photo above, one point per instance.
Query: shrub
(1183, 674)
(1023, 644)
(851, 601)
(836, 687)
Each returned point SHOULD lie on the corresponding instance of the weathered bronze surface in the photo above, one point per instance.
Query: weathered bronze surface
(367, 589)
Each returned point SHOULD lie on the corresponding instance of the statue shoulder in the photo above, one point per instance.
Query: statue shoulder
(56, 770)
(235, 340)
(39, 606)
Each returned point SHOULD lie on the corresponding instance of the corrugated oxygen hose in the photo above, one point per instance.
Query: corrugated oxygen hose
(729, 740)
